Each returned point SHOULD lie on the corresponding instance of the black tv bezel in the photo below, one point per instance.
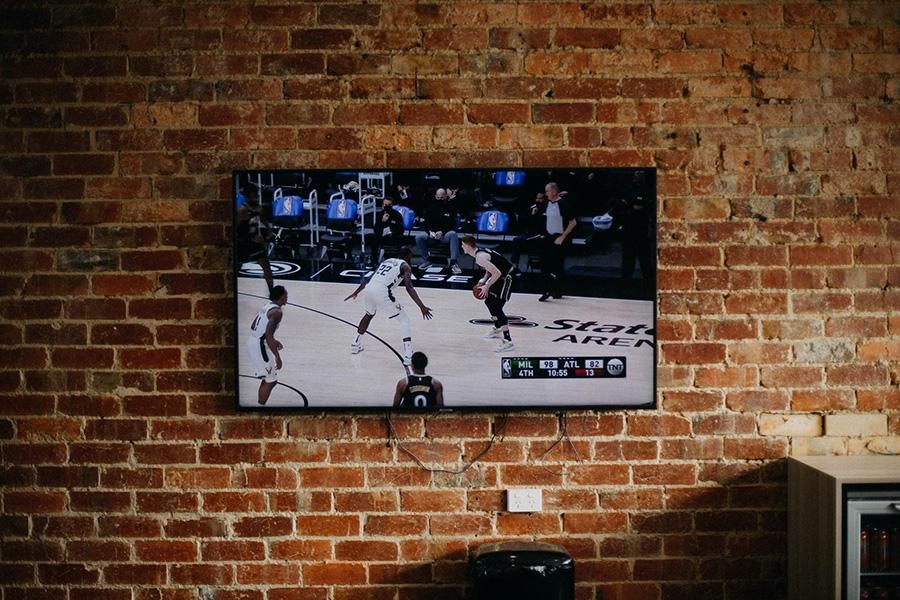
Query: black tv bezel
(406, 411)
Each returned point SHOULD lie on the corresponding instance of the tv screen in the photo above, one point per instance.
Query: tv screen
(431, 289)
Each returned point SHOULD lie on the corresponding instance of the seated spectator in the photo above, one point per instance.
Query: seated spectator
(440, 226)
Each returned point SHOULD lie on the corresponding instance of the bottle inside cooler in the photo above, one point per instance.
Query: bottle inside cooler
(879, 557)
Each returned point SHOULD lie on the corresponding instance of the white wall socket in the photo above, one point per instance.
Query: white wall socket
(524, 500)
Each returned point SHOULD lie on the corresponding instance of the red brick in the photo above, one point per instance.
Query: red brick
(29, 358)
(166, 551)
(460, 525)
(34, 453)
(156, 454)
(396, 525)
(609, 474)
(518, 38)
(106, 502)
(232, 550)
(68, 476)
(67, 573)
(276, 15)
(335, 573)
(135, 574)
(857, 375)
(594, 522)
(193, 429)
(455, 38)
(331, 477)
(154, 260)
(263, 526)
(91, 358)
(33, 502)
(821, 255)
(201, 574)
(528, 524)
(203, 527)
(12, 574)
(83, 164)
(443, 89)
(96, 551)
(694, 353)
(432, 501)
(755, 449)
(121, 334)
(652, 88)
(268, 574)
(664, 569)
(230, 454)
(430, 114)
(586, 37)
(128, 526)
(662, 425)
(156, 405)
(167, 502)
(136, 478)
(757, 303)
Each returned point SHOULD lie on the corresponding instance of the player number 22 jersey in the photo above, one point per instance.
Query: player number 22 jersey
(388, 273)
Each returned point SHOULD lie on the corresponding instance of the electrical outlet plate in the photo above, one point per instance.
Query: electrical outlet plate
(524, 500)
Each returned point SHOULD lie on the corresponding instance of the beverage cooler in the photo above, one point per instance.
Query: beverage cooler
(844, 527)
(873, 544)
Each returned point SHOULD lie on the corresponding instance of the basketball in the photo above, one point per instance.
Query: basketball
(475, 291)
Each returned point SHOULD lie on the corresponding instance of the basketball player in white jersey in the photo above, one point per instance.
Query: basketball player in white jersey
(264, 349)
(379, 295)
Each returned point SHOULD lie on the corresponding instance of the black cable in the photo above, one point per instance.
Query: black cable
(563, 435)
(393, 437)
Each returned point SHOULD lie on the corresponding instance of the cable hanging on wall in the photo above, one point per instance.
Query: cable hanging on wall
(563, 436)
(393, 438)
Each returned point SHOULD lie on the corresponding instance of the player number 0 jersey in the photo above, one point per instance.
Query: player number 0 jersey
(258, 329)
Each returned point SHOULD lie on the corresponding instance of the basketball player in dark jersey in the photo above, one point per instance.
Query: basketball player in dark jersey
(250, 242)
(494, 288)
(419, 390)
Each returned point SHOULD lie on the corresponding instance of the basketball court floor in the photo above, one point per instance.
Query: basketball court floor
(318, 327)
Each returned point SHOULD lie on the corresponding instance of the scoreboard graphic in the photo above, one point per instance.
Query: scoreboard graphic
(562, 367)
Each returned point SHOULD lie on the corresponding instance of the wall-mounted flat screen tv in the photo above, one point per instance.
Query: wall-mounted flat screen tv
(445, 289)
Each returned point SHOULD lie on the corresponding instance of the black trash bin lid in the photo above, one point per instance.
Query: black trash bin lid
(520, 553)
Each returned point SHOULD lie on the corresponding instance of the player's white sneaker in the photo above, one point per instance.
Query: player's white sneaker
(504, 346)
(356, 348)
(455, 269)
(493, 333)
(407, 361)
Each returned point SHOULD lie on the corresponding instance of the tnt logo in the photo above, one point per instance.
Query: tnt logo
(614, 366)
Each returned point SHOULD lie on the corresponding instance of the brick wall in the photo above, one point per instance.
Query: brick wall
(774, 128)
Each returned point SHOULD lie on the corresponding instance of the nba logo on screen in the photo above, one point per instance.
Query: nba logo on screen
(492, 221)
(288, 205)
(342, 209)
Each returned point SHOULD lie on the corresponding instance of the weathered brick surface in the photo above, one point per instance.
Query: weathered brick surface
(774, 128)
